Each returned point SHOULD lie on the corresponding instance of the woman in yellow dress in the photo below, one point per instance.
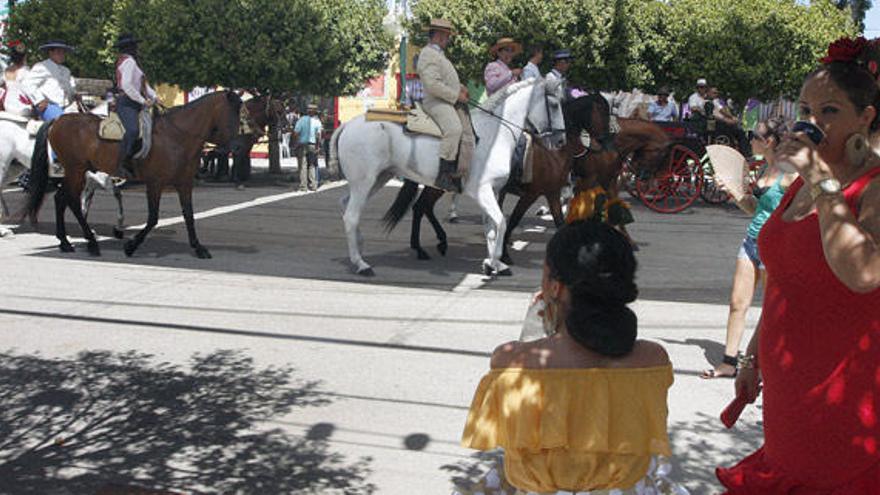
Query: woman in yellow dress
(584, 409)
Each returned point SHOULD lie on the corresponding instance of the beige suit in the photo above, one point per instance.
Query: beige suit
(441, 85)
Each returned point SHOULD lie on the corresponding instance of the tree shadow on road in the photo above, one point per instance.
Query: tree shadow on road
(80, 425)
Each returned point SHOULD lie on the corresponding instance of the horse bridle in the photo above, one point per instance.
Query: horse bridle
(513, 127)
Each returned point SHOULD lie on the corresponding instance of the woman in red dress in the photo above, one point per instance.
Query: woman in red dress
(817, 347)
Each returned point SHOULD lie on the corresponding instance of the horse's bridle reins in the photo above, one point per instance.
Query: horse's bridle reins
(513, 127)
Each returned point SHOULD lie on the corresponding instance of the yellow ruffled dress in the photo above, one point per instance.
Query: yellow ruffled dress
(588, 429)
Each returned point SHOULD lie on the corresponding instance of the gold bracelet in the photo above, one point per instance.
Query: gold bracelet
(747, 361)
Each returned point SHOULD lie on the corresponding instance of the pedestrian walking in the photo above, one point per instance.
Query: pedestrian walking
(308, 132)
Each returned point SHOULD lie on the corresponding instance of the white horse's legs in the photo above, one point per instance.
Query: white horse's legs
(357, 198)
(494, 225)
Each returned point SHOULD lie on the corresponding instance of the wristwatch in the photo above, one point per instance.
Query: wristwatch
(825, 186)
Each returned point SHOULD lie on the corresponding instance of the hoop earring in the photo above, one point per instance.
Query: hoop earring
(856, 149)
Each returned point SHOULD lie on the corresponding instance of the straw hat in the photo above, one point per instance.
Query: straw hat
(440, 25)
(504, 43)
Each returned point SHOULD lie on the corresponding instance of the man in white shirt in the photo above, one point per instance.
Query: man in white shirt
(697, 101)
(556, 80)
(134, 94)
(49, 84)
(532, 70)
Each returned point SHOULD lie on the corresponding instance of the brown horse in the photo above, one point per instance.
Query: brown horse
(551, 169)
(178, 137)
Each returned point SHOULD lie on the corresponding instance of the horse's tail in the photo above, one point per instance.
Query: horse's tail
(402, 203)
(39, 180)
(333, 160)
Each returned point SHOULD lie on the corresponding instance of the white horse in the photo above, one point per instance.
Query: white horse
(370, 153)
(16, 146)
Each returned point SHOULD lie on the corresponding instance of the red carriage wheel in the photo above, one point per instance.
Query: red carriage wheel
(710, 191)
(675, 186)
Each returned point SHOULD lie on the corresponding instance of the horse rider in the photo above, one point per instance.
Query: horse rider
(556, 78)
(536, 56)
(446, 101)
(49, 84)
(498, 73)
(15, 100)
(134, 95)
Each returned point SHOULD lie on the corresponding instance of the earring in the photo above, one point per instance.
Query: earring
(856, 149)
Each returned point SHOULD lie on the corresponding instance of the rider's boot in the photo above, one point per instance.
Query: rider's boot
(124, 169)
(446, 178)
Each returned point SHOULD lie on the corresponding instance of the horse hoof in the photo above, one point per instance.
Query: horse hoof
(488, 270)
(506, 259)
(94, 250)
(130, 247)
(504, 273)
(203, 253)
(118, 233)
(422, 254)
(442, 247)
(366, 272)
(66, 247)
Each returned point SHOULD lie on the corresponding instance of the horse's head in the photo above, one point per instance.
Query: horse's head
(227, 121)
(545, 115)
(587, 119)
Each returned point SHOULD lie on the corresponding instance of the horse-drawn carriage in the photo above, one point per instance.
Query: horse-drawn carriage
(686, 174)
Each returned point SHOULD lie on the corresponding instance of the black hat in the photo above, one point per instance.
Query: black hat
(56, 44)
(126, 40)
(664, 90)
(562, 55)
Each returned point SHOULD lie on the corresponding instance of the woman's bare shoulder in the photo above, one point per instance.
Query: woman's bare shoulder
(646, 354)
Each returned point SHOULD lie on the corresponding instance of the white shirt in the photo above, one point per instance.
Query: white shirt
(130, 80)
(530, 70)
(49, 81)
(16, 100)
(696, 104)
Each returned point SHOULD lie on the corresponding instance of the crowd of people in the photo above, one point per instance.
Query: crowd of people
(584, 409)
(812, 242)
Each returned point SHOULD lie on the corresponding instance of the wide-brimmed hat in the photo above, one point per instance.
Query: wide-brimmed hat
(439, 25)
(312, 107)
(702, 82)
(57, 44)
(126, 40)
(504, 43)
(564, 54)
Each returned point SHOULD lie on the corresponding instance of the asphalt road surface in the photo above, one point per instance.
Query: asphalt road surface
(152, 370)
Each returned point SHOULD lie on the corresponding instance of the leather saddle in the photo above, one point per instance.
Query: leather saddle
(414, 121)
(111, 129)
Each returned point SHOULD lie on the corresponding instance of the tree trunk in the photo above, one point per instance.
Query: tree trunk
(274, 149)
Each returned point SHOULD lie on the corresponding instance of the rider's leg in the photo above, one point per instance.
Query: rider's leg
(128, 112)
(451, 129)
(51, 112)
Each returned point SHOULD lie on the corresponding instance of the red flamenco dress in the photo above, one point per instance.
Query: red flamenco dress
(819, 352)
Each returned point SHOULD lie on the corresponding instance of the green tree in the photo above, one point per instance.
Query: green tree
(38, 21)
(857, 9)
(748, 48)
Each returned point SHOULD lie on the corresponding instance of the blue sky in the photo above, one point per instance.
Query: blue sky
(872, 21)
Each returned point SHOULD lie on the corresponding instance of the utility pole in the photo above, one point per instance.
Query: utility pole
(403, 41)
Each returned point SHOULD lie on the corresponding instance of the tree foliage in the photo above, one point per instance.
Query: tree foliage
(322, 47)
(760, 48)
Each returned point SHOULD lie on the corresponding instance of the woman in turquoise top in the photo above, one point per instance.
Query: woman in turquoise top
(760, 203)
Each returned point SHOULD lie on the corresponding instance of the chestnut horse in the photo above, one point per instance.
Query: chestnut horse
(260, 112)
(178, 138)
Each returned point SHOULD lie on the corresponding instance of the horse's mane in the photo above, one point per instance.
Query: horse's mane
(498, 98)
(192, 104)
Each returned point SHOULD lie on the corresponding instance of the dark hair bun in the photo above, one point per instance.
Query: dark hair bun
(596, 263)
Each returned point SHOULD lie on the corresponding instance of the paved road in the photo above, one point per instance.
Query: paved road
(381, 370)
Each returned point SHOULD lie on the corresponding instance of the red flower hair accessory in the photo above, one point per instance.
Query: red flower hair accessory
(15, 46)
(845, 50)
